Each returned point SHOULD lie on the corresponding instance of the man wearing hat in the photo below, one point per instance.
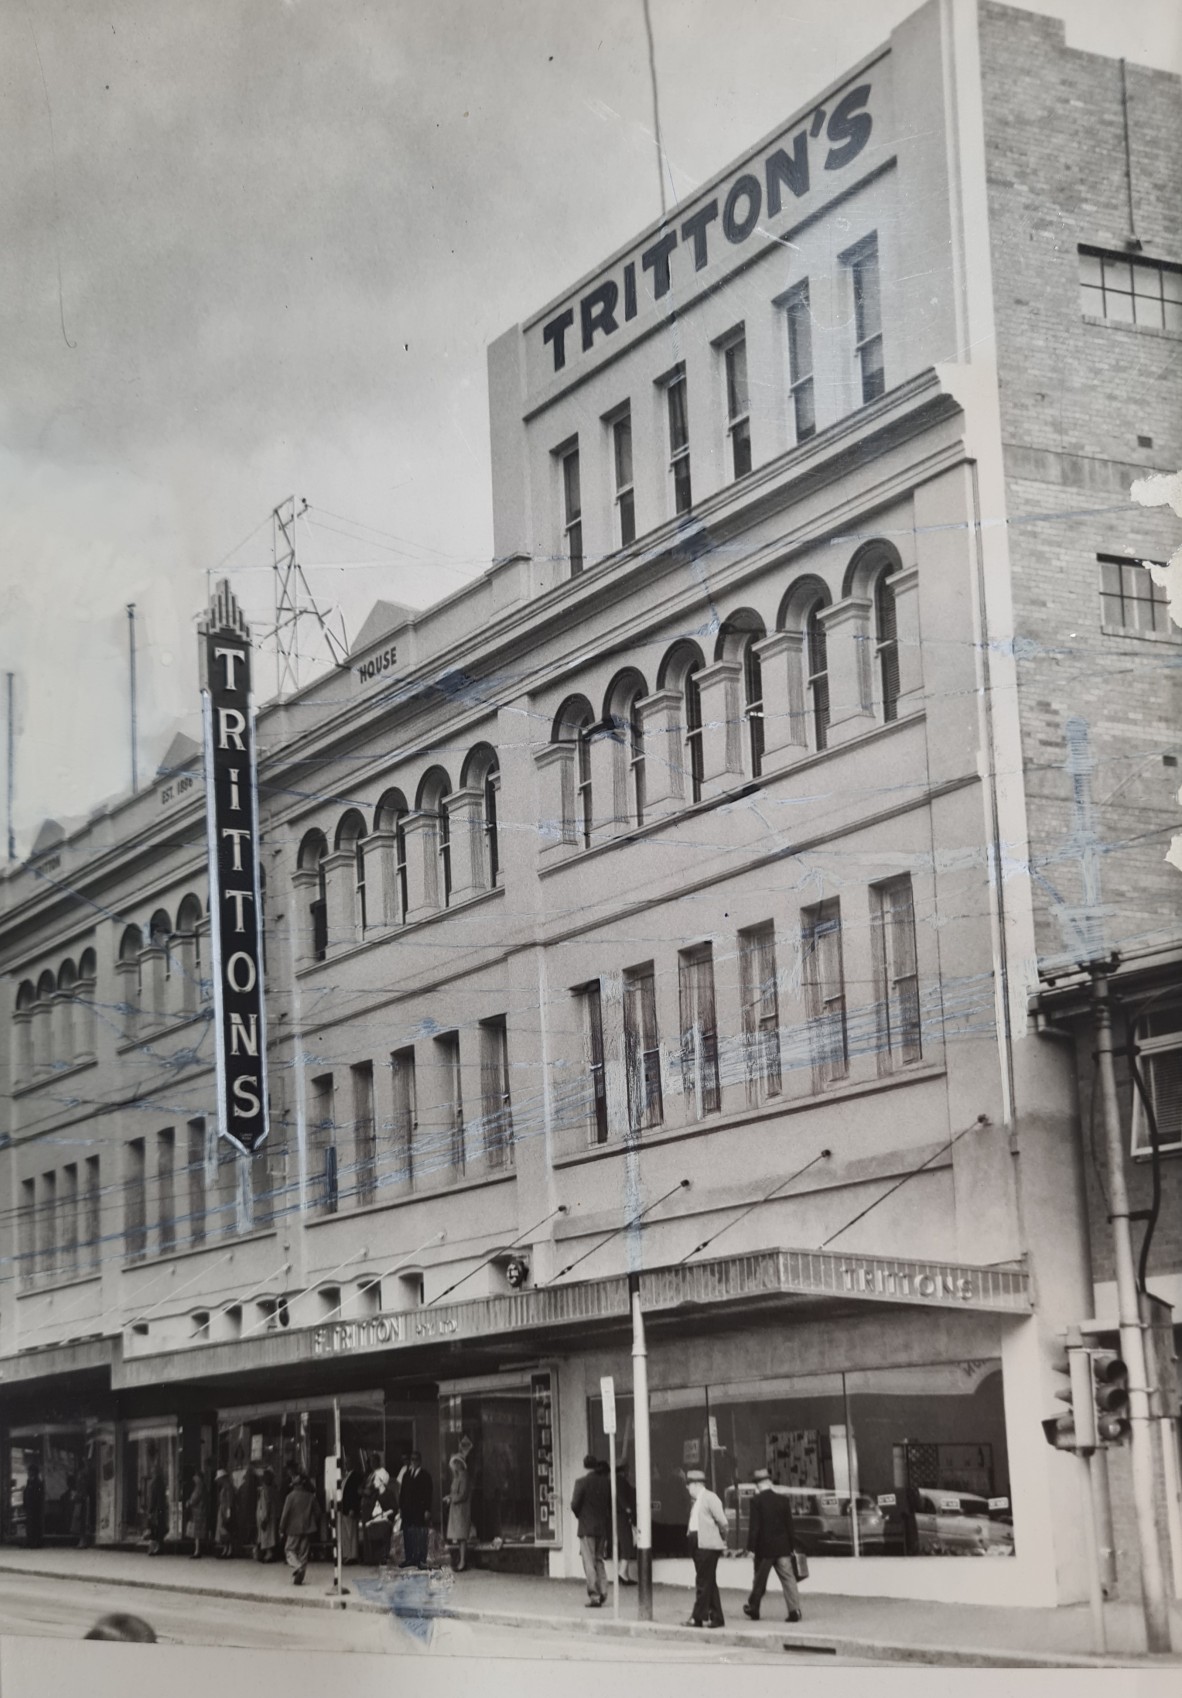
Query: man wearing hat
(707, 1540)
(770, 1541)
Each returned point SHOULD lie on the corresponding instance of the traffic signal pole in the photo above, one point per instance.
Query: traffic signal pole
(1132, 1340)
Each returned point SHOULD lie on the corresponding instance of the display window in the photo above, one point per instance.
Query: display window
(511, 1458)
(152, 1501)
(57, 1460)
(907, 1461)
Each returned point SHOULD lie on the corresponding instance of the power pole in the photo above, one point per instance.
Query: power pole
(135, 775)
(644, 1471)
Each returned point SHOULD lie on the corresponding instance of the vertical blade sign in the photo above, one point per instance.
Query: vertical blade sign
(235, 904)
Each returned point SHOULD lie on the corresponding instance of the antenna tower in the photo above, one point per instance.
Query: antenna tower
(294, 600)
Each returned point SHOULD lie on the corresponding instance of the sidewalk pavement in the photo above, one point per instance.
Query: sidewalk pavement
(886, 1629)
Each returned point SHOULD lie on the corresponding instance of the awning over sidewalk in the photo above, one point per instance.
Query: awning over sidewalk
(763, 1279)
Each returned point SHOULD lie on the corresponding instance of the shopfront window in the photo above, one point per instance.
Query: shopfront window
(878, 1462)
(289, 1440)
(511, 1465)
(148, 1447)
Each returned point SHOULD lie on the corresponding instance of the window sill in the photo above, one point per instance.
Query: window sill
(1125, 631)
(500, 1177)
(156, 1259)
(37, 1288)
(1137, 329)
(351, 950)
(66, 1071)
(165, 1029)
(1143, 1155)
(774, 1109)
(807, 759)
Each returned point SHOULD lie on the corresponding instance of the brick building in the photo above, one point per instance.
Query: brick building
(689, 897)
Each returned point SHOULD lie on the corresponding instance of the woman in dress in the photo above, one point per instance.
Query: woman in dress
(459, 1505)
(198, 1513)
(223, 1534)
(266, 1511)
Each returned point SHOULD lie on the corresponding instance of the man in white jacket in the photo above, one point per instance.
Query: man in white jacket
(707, 1540)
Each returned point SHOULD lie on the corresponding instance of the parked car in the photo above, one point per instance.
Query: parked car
(822, 1523)
(962, 1524)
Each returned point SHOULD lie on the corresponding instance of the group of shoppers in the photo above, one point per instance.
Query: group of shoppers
(769, 1539)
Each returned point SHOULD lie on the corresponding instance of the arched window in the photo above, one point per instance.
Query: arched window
(481, 771)
(434, 789)
(67, 980)
(159, 932)
(350, 836)
(43, 1020)
(817, 671)
(736, 641)
(679, 671)
(621, 711)
(886, 644)
(26, 996)
(389, 816)
(130, 944)
(87, 974)
(313, 849)
(575, 723)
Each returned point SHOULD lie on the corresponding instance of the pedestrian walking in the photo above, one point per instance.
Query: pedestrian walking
(459, 1505)
(34, 1503)
(157, 1510)
(771, 1543)
(266, 1516)
(378, 1507)
(707, 1540)
(625, 1527)
(297, 1526)
(591, 1503)
(415, 1497)
(198, 1508)
(351, 1489)
(223, 1504)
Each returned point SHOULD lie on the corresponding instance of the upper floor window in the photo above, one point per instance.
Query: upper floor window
(679, 444)
(481, 772)
(738, 410)
(591, 1001)
(824, 980)
(311, 858)
(896, 980)
(405, 1120)
(1159, 1046)
(761, 1011)
(818, 675)
(135, 1227)
(1130, 600)
(886, 645)
(798, 314)
(625, 491)
(622, 716)
(1130, 291)
(364, 1138)
(434, 790)
(322, 1147)
(699, 1031)
(575, 723)
(572, 511)
(864, 275)
(642, 1049)
(390, 816)
(494, 1089)
(350, 838)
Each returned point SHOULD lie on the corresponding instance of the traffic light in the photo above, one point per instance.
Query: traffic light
(1110, 1391)
(1075, 1429)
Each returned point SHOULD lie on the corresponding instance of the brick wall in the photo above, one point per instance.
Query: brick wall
(1075, 398)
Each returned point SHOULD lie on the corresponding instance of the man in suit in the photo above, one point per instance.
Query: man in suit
(591, 1502)
(770, 1541)
(415, 1497)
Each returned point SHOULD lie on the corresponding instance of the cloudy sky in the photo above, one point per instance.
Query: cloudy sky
(257, 248)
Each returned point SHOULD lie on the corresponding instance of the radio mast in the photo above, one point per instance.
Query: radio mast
(291, 590)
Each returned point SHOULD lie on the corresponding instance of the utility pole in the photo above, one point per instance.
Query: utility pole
(1132, 1338)
(644, 1469)
(135, 774)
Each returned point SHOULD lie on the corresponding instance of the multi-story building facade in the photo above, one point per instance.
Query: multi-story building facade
(675, 900)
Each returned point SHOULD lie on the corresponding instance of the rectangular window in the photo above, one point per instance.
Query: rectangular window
(799, 315)
(863, 264)
(679, 448)
(642, 1048)
(572, 511)
(322, 1148)
(699, 1031)
(27, 1235)
(738, 406)
(196, 1173)
(48, 1226)
(134, 1224)
(447, 1049)
(1159, 1049)
(1130, 291)
(824, 981)
(625, 491)
(166, 1189)
(364, 1147)
(69, 1220)
(404, 1119)
(591, 1000)
(1130, 600)
(761, 1012)
(91, 1219)
(494, 1090)
(896, 978)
